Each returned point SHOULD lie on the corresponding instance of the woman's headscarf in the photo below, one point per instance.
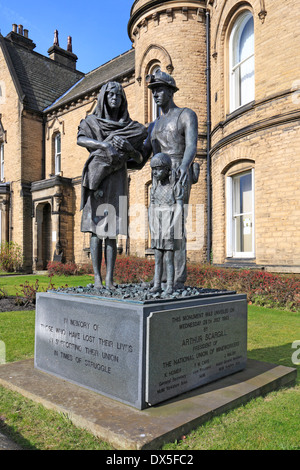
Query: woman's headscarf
(99, 126)
(102, 110)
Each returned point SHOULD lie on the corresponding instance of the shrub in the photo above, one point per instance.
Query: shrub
(262, 288)
(130, 269)
(11, 258)
(3, 293)
(28, 292)
(68, 269)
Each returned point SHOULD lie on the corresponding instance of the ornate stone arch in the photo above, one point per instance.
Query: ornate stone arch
(233, 155)
(223, 24)
(56, 125)
(221, 44)
(154, 53)
(238, 165)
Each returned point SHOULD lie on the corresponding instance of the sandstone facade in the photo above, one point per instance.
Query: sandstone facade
(244, 210)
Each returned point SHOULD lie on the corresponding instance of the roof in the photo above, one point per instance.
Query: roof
(39, 80)
(115, 69)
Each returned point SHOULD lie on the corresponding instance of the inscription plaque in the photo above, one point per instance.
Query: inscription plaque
(192, 346)
(90, 344)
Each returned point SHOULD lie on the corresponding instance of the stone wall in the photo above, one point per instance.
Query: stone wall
(263, 135)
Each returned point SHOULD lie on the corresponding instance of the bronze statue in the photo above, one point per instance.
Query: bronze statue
(112, 139)
(175, 133)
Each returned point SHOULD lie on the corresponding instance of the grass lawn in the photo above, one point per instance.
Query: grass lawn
(266, 423)
(11, 284)
(270, 422)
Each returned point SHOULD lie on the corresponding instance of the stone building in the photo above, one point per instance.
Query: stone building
(29, 82)
(236, 65)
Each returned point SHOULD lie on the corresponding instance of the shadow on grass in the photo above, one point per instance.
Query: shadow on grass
(16, 437)
(280, 355)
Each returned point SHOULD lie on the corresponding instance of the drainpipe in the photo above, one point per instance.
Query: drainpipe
(208, 174)
(43, 169)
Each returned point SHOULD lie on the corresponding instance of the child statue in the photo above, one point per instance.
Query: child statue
(165, 219)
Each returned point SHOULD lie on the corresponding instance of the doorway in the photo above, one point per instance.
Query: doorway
(44, 232)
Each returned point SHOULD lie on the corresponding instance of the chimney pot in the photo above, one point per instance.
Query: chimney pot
(26, 33)
(15, 28)
(56, 42)
(69, 47)
(21, 29)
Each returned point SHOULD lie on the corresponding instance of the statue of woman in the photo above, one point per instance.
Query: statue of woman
(112, 139)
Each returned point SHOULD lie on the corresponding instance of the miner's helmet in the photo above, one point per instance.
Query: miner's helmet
(160, 78)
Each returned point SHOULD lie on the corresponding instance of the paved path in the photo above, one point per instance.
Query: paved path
(7, 444)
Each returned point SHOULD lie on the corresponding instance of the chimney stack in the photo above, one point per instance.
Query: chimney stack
(62, 56)
(20, 36)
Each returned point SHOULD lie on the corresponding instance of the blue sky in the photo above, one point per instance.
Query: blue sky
(98, 27)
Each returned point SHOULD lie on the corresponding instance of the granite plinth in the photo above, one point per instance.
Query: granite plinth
(140, 352)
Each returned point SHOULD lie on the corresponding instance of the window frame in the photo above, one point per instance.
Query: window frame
(231, 249)
(234, 79)
(2, 168)
(154, 110)
(57, 155)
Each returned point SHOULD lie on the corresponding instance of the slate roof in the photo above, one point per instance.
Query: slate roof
(115, 69)
(39, 80)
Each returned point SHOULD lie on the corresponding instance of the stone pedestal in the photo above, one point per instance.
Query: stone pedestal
(140, 353)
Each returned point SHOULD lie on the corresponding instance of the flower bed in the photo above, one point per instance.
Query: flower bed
(262, 288)
(68, 269)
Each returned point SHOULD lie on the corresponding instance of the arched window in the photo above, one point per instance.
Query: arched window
(154, 109)
(241, 58)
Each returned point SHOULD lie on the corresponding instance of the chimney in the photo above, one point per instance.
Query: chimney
(20, 36)
(69, 47)
(56, 42)
(62, 56)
